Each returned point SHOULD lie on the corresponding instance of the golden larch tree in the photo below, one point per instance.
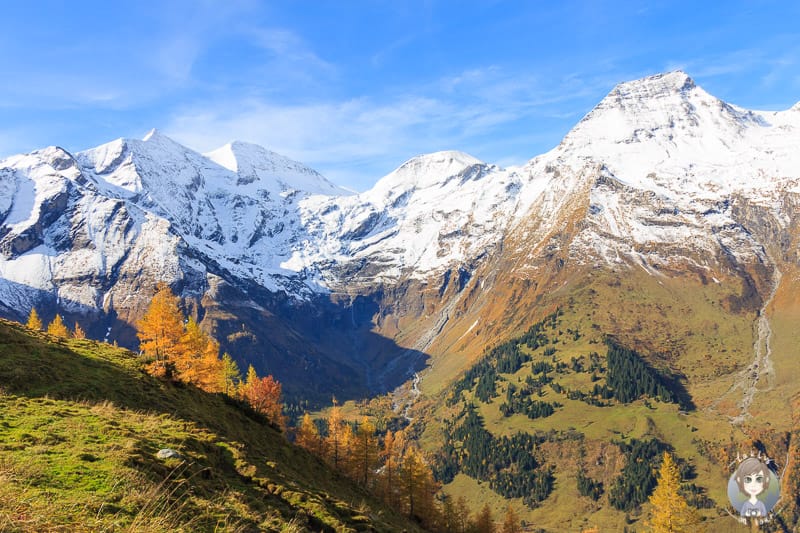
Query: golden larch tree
(365, 452)
(484, 522)
(160, 331)
(463, 515)
(250, 377)
(417, 486)
(671, 513)
(231, 376)
(511, 522)
(34, 322)
(78, 333)
(57, 328)
(347, 465)
(307, 435)
(197, 359)
(333, 441)
(392, 458)
(450, 521)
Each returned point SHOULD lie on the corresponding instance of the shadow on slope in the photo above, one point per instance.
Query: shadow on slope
(315, 348)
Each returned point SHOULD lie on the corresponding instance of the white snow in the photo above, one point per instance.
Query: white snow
(653, 166)
(33, 269)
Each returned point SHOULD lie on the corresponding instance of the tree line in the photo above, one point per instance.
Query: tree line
(56, 327)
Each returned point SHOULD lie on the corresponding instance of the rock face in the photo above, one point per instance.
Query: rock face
(350, 293)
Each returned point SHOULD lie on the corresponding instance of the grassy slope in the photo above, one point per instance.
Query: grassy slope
(680, 325)
(80, 425)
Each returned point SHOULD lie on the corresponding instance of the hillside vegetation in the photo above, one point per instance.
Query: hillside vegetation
(81, 425)
(569, 425)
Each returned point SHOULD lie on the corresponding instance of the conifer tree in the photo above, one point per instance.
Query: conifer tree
(160, 331)
(410, 474)
(392, 457)
(511, 522)
(462, 514)
(78, 333)
(333, 442)
(34, 322)
(57, 328)
(307, 435)
(197, 360)
(450, 520)
(671, 513)
(484, 522)
(347, 464)
(365, 452)
(417, 486)
(250, 378)
(231, 376)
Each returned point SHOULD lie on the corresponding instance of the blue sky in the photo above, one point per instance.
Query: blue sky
(355, 88)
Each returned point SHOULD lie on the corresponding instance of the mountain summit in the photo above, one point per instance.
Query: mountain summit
(254, 163)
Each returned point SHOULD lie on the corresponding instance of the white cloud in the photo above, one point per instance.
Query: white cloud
(368, 135)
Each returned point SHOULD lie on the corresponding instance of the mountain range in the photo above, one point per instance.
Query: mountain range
(341, 293)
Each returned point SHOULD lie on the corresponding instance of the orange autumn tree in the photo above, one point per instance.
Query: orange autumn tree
(334, 439)
(365, 452)
(197, 359)
(78, 333)
(511, 522)
(160, 331)
(392, 457)
(484, 522)
(307, 436)
(417, 487)
(264, 395)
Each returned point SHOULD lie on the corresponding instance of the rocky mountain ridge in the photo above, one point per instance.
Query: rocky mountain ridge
(299, 275)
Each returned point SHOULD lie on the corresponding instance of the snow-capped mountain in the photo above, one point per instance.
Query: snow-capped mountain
(131, 205)
(663, 159)
(299, 274)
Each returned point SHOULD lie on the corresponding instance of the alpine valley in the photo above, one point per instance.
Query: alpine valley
(665, 227)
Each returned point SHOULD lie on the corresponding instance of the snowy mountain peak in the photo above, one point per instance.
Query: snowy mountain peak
(426, 171)
(156, 143)
(133, 164)
(662, 84)
(447, 156)
(254, 163)
(150, 134)
(58, 158)
(665, 118)
(654, 100)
